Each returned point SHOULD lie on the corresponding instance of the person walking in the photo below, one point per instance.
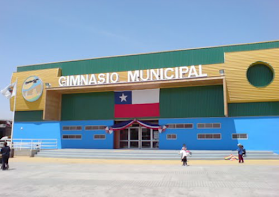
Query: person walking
(241, 151)
(184, 153)
(5, 151)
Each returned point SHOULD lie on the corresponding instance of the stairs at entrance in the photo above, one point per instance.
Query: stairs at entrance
(129, 154)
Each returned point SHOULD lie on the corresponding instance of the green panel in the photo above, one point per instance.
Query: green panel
(213, 55)
(22, 116)
(253, 46)
(254, 109)
(89, 106)
(259, 75)
(205, 101)
(136, 62)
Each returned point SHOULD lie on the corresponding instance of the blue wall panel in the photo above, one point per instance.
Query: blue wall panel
(263, 134)
(53, 130)
(37, 130)
(189, 136)
(87, 140)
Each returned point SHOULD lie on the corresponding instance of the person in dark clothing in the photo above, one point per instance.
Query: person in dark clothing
(241, 151)
(5, 151)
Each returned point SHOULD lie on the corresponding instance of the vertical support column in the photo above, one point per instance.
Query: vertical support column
(151, 140)
(226, 111)
(139, 137)
(129, 135)
(53, 104)
(116, 139)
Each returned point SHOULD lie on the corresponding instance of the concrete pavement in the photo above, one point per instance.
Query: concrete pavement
(100, 178)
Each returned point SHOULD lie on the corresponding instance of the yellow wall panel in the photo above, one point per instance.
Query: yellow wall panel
(46, 75)
(239, 88)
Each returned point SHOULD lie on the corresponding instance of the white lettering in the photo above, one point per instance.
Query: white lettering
(75, 80)
(176, 72)
(114, 77)
(84, 80)
(166, 73)
(62, 83)
(181, 72)
(132, 77)
(193, 72)
(161, 73)
(200, 72)
(155, 74)
(68, 80)
(142, 75)
(102, 78)
(107, 78)
(92, 79)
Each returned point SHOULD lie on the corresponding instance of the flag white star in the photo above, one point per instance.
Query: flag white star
(123, 97)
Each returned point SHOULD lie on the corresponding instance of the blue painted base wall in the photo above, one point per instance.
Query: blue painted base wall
(87, 140)
(263, 134)
(53, 130)
(37, 130)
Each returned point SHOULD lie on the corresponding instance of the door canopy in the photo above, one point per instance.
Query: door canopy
(125, 124)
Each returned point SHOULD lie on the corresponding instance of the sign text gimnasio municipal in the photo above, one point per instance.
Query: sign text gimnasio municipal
(182, 72)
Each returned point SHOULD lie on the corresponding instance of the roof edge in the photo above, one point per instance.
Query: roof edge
(150, 53)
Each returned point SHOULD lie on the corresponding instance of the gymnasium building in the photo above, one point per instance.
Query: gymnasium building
(208, 98)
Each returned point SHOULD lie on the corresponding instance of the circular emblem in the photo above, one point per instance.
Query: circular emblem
(32, 88)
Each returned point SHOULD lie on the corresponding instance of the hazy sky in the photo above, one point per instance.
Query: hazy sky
(33, 31)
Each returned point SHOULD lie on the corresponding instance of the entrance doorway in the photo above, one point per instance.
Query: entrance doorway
(138, 137)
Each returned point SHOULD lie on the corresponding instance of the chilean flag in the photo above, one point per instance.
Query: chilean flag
(137, 103)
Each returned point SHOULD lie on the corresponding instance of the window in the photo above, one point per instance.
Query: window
(171, 136)
(260, 74)
(209, 125)
(209, 136)
(99, 137)
(72, 128)
(171, 126)
(71, 137)
(216, 125)
(95, 127)
(180, 126)
(239, 136)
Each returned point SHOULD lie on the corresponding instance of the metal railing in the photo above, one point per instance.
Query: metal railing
(34, 144)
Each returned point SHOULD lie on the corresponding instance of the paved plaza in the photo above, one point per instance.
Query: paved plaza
(80, 177)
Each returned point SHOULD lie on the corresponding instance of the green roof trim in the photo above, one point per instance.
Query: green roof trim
(210, 55)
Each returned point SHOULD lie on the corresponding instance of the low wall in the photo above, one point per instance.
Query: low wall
(25, 152)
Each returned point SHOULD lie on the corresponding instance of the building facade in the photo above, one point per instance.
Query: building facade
(207, 98)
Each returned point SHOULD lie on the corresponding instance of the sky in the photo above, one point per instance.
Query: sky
(34, 32)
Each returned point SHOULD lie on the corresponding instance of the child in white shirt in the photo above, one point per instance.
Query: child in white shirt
(184, 153)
